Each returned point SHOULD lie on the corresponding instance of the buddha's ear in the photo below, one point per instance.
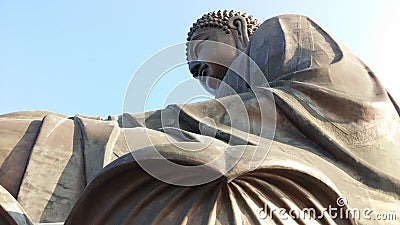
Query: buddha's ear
(239, 24)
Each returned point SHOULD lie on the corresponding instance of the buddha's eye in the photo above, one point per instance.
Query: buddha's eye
(199, 45)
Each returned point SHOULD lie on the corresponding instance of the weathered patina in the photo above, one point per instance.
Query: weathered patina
(334, 134)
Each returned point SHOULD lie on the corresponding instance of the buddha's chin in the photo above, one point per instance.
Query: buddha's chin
(210, 84)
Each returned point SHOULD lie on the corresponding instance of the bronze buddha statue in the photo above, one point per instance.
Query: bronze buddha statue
(323, 131)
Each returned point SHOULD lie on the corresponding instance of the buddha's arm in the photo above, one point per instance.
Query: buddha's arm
(17, 137)
(47, 159)
(11, 212)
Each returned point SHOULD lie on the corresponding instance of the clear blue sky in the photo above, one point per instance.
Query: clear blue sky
(78, 56)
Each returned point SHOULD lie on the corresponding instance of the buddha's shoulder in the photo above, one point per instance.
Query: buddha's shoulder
(41, 114)
(51, 129)
(30, 115)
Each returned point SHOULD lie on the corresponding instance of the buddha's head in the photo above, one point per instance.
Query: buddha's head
(214, 41)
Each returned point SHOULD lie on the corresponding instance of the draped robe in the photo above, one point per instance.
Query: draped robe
(335, 134)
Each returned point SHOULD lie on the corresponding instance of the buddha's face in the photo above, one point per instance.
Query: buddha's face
(210, 55)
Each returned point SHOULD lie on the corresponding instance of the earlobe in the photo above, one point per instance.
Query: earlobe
(239, 23)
